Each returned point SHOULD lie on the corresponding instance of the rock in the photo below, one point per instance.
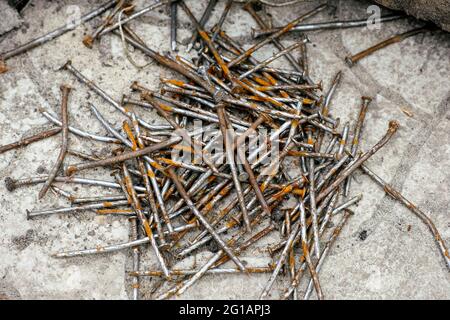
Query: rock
(10, 18)
(437, 11)
(19, 5)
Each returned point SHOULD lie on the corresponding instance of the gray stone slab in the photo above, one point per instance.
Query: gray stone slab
(397, 259)
(10, 18)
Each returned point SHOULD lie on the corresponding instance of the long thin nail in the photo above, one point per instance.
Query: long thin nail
(352, 60)
(393, 193)
(136, 257)
(64, 143)
(28, 140)
(71, 169)
(357, 134)
(187, 272)
(329, 25)
(173, 25)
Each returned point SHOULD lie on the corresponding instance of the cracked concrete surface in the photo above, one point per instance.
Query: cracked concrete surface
(384, 252)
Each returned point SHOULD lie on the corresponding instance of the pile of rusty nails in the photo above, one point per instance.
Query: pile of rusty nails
(228, 200)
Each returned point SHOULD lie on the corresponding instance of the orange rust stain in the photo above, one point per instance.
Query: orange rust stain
(208, 206)
(127, 129)
(271, 79)
(262, 88)
(299, 192)
(224, 67)
(150, 173)
(165, 107)
(231, 223)
(128, 185)
(261, 82)
(250, 51)
(247, 82)
(108, 204)
(283, 192)
(157, 165)
(148, 230)
(256, 98)
(274, 102)
(305, 248)
(291, 259)
(263, 186)
(184, 148)
(203, 34)
(287, 189)
(284, 94)
(337, 232)
(176, 82)
(224, 191)
(301, 259)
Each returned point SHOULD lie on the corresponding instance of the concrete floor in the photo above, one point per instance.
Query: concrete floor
(398, 258)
